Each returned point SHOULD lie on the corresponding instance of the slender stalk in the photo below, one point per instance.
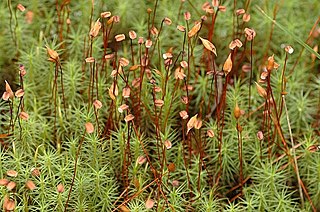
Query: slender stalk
(239, 130)
(283, 85)
(55, 93)
(74, 171)
(221, 109)
(135, 195)
(97, 119)
(309, 36)
(275, 11)
(59, 24)
(293, 151)
(158, 139)
(132, 59)
(154, 12)
(125, 169)
(91, 80)
(233, 19)
(276, 118)
(194, 8)
(250, 80)
(297, 39)
(186, 164)
(62, 89)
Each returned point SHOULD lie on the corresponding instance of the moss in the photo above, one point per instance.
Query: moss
(124, 162)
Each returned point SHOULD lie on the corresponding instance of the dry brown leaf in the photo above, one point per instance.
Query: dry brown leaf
(261, 91)
(53, 55)
(236, 111)
(270, 65)
(208, 45)
(198, 124)
(113, 91)
(191, 123)
(195, 29)
(95, 29)
(227, 66)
